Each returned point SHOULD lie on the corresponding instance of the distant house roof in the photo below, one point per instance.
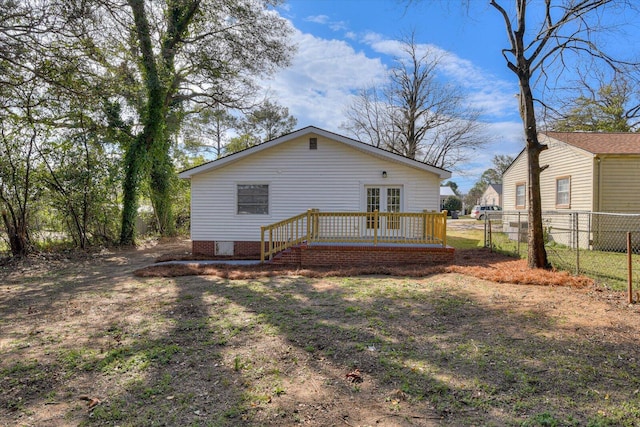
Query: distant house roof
(361, 146)
(601, 142)
(496, 187)
(446, 191)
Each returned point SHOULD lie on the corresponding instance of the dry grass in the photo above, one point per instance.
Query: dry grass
(480, 263)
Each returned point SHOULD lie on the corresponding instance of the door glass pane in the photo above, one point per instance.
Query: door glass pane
(373, 204)
(393, 206)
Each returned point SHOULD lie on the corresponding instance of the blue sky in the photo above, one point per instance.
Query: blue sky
(346, 45)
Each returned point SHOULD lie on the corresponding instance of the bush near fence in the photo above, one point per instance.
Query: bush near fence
(588, 243)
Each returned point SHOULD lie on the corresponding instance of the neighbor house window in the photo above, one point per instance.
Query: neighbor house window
(521, 194)
(253, 199)
(563, 192)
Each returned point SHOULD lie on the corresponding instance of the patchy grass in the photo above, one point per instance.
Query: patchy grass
(244, 347)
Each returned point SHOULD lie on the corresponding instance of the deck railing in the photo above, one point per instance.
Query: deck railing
(373, 228)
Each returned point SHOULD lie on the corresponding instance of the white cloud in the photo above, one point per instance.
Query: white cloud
(318, 19)
(318, 85)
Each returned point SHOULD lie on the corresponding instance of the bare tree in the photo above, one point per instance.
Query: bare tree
(415, 114)
(566, 32)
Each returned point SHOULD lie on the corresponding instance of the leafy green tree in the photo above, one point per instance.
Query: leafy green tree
(174, 56)
(453, 186)
(604, 110)
(268, 121)
(452, 203)
(207, 129)
(265, 122)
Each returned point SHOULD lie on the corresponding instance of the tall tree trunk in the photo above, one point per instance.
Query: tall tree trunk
(160, 191)
(536, 253)
(134, 164)
(17, 233)
(145, 145)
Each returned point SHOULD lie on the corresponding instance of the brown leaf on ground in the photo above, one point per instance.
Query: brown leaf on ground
(354, 376)
(92, 402)
(480, 263)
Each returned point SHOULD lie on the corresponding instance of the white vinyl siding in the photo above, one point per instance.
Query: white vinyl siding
(330, 178)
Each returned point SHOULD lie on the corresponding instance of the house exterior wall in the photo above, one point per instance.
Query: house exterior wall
(562, 160)
(618, 186)
(516, 173)
(490, 197)
(331, 178)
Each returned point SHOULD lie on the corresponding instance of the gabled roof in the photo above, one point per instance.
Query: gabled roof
(496, 187)
(361, 146)
(600, 142)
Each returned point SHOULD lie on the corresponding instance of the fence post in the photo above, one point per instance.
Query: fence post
(485, 230)
(577, 228)
(488, 221)
(629, 268)
(519, 231)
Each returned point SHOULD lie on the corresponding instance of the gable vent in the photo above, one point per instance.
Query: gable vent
(313, 143)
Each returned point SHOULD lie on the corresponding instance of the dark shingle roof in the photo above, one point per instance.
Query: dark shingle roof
(601, 142)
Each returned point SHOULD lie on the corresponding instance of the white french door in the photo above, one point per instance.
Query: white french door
(383, 199)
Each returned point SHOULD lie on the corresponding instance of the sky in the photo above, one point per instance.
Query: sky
(345, 45)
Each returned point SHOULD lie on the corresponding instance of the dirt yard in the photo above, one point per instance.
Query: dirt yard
(84, 341)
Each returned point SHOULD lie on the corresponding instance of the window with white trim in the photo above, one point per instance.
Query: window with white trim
(253, 199)
(563, 192)
(521, 195)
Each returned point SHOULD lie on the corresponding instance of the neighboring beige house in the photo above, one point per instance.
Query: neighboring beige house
(584, 171)
(310, 168)
(492, 195)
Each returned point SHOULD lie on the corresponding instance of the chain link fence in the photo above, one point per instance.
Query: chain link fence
(588, 243)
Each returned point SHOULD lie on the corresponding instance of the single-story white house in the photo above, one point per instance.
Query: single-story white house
(311, 168)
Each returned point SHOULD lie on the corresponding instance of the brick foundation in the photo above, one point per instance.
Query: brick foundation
(241, 250)
(338, 255)
(334, 255)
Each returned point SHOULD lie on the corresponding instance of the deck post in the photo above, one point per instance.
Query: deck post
(261, 244)
(270, 242)
(375, 227)
(444, 228)
(308, 226)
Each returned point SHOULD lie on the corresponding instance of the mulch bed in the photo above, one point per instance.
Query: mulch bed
(480, 263)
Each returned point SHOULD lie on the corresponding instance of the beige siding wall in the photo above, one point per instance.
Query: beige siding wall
(515, 174)
(563, 161)
(619, 184)
(490, 197)
(331, 178)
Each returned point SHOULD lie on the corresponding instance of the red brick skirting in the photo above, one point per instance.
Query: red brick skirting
(335, 255)
(241, 250)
